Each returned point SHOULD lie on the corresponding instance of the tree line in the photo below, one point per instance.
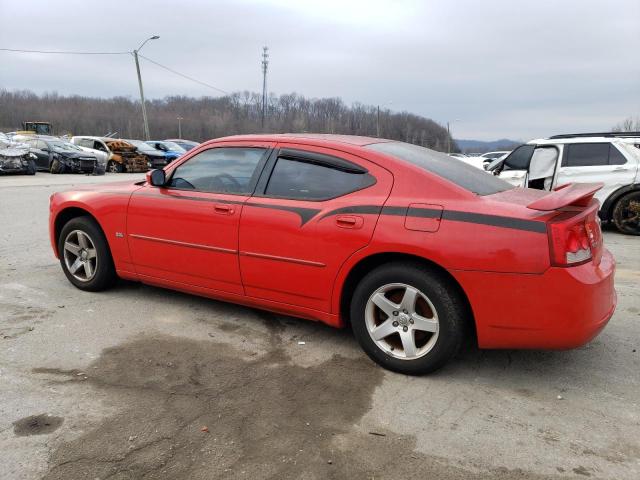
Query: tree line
(211, 117)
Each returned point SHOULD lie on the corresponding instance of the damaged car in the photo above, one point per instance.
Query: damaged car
(122, 155)
(155, 158)
(15, 157)
(551, 163)
(56, 156)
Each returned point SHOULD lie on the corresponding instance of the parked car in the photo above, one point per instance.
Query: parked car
(548, 164)
(15, 157)
(122, 156)
(186, 144)
(155, 158)
(483, 160)
(170, 149)
(342, 230)
(57, 156)
(101, 157)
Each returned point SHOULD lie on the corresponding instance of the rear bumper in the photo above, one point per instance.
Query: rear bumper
(559, 309)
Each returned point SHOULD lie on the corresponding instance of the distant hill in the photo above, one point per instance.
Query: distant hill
(479, 146)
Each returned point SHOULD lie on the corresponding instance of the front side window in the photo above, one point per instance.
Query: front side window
(219, 170)
(301, 180)
(519, 158)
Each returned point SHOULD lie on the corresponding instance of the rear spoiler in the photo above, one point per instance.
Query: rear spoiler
(578, 194)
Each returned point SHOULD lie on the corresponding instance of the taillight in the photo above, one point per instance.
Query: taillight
(573, 240)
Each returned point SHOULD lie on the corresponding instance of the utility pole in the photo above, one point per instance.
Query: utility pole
(180, 126)
(147, 136)
(378, 123)
(265, 66)
(448, 139)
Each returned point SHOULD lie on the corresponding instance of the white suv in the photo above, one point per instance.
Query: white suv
(610, 158)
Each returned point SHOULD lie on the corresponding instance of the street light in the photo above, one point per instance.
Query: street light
(144, 108)
(179, 126)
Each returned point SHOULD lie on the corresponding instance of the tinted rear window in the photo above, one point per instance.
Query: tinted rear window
(456, 171)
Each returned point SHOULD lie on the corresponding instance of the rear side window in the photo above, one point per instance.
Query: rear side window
(299, 180)
(591, 154)
(220, 170)
(519, 159)
(615, 156)
(452, 169)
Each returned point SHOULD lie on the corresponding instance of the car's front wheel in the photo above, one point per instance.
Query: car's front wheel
(85, 256)
(408, 318)
(626, 213)
(114, 167)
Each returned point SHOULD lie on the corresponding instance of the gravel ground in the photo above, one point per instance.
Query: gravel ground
(140, 382)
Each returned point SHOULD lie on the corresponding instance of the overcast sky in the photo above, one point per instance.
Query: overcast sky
(494, 69)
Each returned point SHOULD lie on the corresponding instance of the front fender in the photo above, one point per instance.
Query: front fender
(107, 209)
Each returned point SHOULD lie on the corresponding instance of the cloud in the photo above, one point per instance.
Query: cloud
(500, 68)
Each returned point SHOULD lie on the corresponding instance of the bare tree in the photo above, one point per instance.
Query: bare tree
(208, 117)
(627, 125)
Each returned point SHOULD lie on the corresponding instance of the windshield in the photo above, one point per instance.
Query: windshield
(141, 145)
(452, 169)
(174, 147)
(60, 146)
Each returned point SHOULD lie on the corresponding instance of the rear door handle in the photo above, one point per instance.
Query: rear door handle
(223, 209)
(349, 221)
(620, 169)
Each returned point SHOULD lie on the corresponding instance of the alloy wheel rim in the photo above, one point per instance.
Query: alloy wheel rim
(402, 321)
(80, 255)
(113, 167)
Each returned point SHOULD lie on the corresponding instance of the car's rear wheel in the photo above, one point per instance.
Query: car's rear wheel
(626, 213)
(85, 256)
(114, 167)
(408, 318)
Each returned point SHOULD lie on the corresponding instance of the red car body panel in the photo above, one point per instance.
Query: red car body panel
(294, 257)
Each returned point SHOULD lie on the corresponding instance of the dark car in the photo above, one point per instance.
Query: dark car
(186, 144)
(155, 158)
(55, 156)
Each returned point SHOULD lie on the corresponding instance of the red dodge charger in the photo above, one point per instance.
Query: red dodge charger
(412, 248)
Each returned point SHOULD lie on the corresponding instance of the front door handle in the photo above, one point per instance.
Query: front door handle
(223, 209)
(620, 169)
(349, 221)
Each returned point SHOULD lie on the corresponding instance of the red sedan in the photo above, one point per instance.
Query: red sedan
(413, 249)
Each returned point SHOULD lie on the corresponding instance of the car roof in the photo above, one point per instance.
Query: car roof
(556, 141)
(312, 137)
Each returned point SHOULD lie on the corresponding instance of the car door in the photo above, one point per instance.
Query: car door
(41, 150)
(597, 162)
(313, 208)
(186, 233)
(516, 165)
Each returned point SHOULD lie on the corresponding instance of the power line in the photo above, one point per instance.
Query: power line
(61, 52)
(183, 75)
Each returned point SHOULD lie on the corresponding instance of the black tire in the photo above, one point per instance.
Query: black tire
(441, 292)
(31, 168)
(105, 273)
(56, 167)
(114, 167)
(99, 170)
(626, 213)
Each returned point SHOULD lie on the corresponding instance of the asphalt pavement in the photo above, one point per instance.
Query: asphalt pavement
(141, 382)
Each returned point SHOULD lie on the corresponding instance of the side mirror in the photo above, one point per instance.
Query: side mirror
(156, 178)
